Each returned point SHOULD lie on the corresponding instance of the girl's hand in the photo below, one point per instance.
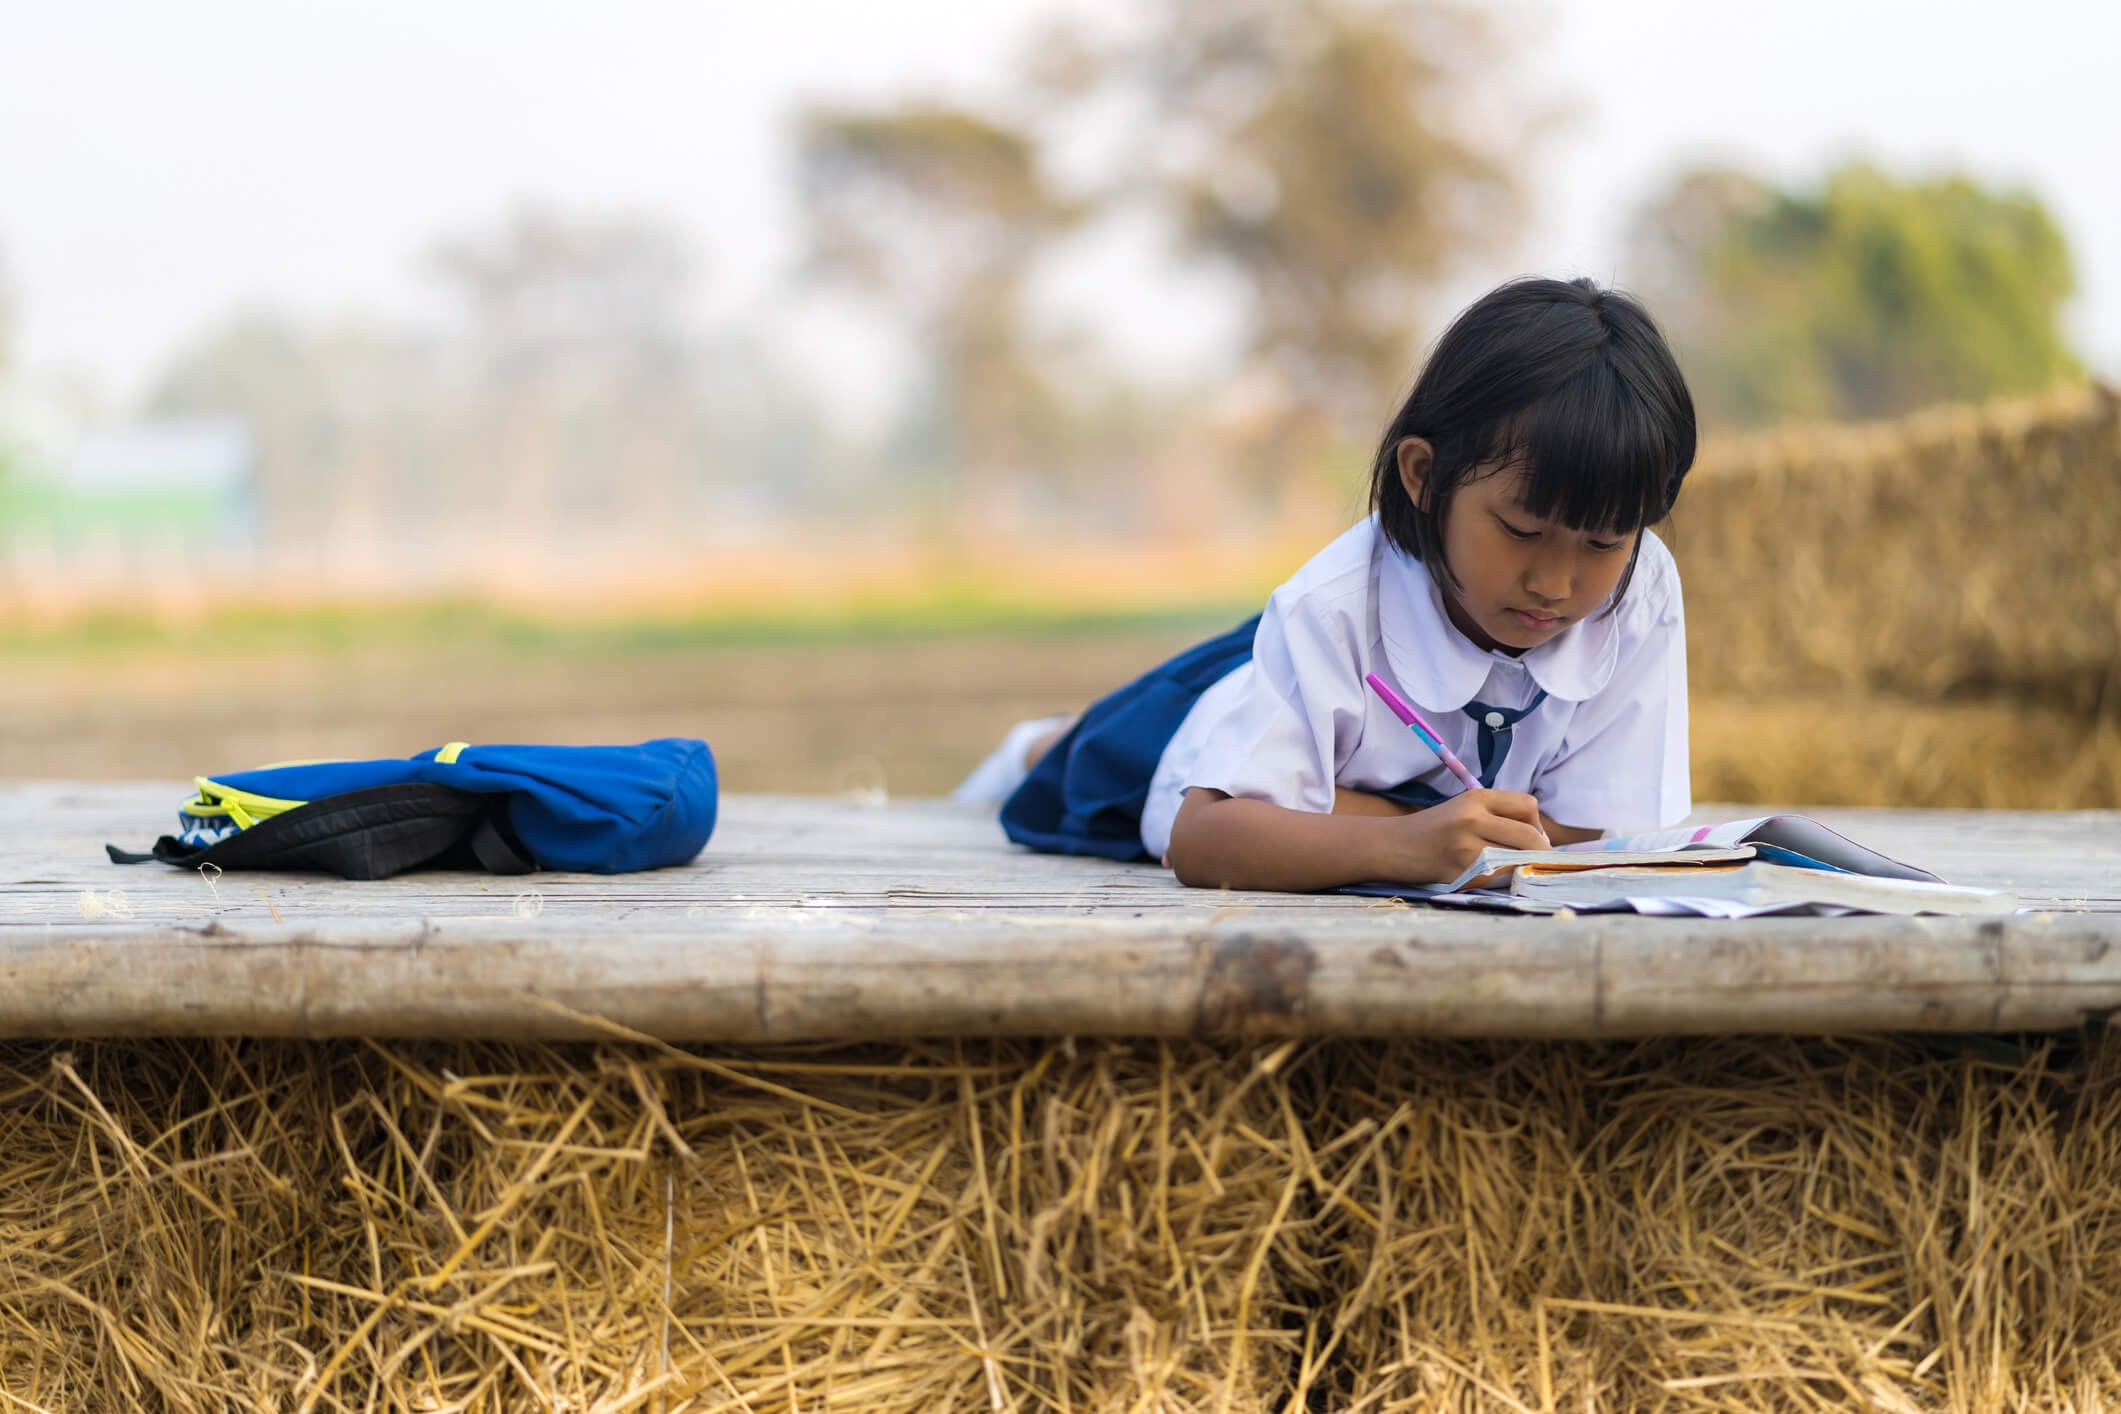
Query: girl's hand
(1439, 842)
(1220, 841)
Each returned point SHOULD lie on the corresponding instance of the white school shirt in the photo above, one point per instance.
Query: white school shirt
(1606, 750)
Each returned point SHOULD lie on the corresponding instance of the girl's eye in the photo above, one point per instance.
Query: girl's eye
(1606, 547)
(1515, 532)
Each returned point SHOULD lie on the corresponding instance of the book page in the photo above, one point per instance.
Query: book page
(1757, 885)
(1727, 835)
(1798, 834)
(1494, 866)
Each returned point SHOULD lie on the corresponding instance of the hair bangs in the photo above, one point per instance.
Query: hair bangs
(1567, 385)
(1594, 457)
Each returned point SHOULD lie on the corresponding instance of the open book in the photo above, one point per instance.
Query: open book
(1738, 890)
(1773, 863)
(1793, 840)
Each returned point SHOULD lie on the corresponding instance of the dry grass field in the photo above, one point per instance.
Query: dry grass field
(1726, 1224)
(911, 716)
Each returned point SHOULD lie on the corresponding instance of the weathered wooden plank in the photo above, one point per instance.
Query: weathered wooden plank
(788, 847)
(813, 918)
(1422, 973)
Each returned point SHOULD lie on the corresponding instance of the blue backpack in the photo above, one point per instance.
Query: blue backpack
(505, 809)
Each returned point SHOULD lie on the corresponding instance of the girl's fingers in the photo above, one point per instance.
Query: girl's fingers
(1516, 805)
(1515, 818)
(1515, 834)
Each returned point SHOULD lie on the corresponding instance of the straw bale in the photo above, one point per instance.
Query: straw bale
(1876, 749)
(1965, 551)
(1055, 1225)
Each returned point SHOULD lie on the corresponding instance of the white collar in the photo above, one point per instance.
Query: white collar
(1442, 669)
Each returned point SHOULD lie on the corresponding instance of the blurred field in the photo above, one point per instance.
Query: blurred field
(1925, 613)
(907, 716)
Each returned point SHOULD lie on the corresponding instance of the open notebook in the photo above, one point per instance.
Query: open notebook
(1770, 864)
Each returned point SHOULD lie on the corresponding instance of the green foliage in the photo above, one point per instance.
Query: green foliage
(1867, 298)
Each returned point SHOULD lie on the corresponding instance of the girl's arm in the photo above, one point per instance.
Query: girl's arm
(1223, 841)
(1356, 802)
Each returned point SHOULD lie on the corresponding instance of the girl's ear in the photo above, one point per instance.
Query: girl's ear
(1416, 456)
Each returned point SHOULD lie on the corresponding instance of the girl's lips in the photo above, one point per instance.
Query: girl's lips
(1531, 620)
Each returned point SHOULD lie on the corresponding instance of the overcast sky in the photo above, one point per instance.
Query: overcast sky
(162, 165)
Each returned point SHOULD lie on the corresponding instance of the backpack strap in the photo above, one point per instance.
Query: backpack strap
(360, 834)
(497, 850)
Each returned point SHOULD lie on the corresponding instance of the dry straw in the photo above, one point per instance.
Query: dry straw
(1905, 754)
(1965, 552)
(1052, 1226)
(1920, 613)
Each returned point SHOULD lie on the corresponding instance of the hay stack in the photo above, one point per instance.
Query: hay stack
(1969, 551)
(1925, 612)
(1052, 1226)
(1881, 750)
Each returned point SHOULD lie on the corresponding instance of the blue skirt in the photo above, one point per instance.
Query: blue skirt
(1085, 796)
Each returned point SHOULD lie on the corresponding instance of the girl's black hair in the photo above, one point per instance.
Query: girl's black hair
(1563, 380)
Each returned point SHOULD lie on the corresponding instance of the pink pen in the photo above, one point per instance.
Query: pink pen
(1406, 713)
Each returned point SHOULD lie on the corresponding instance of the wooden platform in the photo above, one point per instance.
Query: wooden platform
(817, 918)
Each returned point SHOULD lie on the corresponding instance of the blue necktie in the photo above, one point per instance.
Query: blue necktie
(1496, 726)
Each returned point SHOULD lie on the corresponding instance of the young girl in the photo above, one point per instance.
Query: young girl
(1506, 584)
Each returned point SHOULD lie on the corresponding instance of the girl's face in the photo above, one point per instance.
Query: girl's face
(1521, 579)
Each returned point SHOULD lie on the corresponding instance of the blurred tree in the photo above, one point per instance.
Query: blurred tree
(7, 312)
(550, 427)
(941, 214)
(1866, 298)
(6, 331)
(1342, 156)
(549, 293)
(582, 325)
(323, 406)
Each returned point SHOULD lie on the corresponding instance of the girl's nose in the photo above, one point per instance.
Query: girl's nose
(1551, 576)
